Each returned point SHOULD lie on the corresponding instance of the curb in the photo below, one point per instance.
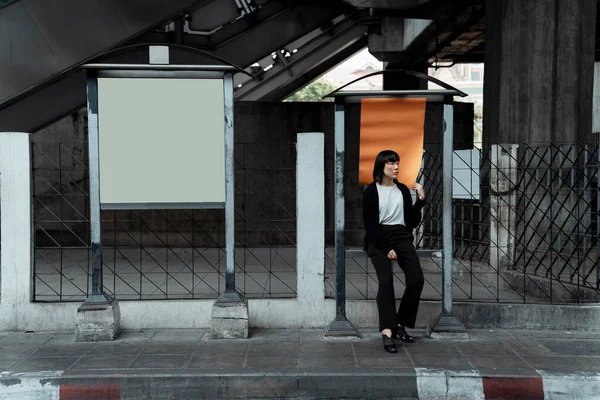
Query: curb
(408, 383)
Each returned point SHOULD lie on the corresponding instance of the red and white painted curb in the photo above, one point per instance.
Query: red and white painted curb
(47, 385)
(431, 384)
(471, 385)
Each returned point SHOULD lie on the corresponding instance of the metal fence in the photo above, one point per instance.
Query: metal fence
(165, 254)
(525, 229)
(525, 226)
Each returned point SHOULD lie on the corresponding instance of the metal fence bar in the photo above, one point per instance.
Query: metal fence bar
(598, 215)
(96, 295)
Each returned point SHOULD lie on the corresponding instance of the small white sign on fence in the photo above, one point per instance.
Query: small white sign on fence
(465, 173)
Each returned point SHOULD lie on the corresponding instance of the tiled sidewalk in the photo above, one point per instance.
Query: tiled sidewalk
(281, 357)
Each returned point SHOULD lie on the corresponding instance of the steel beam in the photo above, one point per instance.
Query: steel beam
(261, 39)
(268, 11)
(388, 4)
(275, 33)
(312, 60)
(37, 45)
(46, 105)
(66, 93)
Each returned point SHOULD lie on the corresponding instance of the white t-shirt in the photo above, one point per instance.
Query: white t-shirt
(391, 205)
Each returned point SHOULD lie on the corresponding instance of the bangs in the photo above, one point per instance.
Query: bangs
(390, 156)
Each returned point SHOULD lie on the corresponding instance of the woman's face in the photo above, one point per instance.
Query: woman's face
(391, 170)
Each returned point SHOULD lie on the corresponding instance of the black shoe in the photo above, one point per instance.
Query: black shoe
(388, 344)
(400, 333)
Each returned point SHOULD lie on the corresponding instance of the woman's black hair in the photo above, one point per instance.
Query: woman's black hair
(382, 158)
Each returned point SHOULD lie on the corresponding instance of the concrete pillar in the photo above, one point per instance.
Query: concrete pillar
(310, 217)
(539, 69)
(503, 202)
(393, 35)
(399, 81)
(388, 41)
(17, 243)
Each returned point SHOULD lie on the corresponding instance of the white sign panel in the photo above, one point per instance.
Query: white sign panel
(465, 182)
(161, 141)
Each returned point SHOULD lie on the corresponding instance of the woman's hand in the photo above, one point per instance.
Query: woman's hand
(420, 192)
(392, 255)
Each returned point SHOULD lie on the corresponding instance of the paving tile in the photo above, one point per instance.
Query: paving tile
(326, 361)
(487, 335)
(160, 361)
(28, 339)
(62, 350)
(270, 335)
(591, 362)
(326, 348)
(498, 364)
(16, 351)
(211, 362)
(6, 363)
(169, 348)
(136, 336)
(91, 362)
(44, 364)
(557, 334)
(281, 349)
(62, 338)
(526, 346)
(223, 348)
(431, 346)
(179, 335)
(116, 348)
(369, 348)
(381, 359)
(475, 347)
(313, 335)
(572, 347)
(448, 361)
(556, 364)
(280, 364)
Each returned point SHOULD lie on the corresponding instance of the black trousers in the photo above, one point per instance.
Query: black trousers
(401, 240)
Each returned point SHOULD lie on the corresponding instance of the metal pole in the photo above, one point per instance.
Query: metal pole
(340, 249)
(96, 295)
(447, 325)
(448, 153)
(230, 292)
(340, 326)
(598, 215)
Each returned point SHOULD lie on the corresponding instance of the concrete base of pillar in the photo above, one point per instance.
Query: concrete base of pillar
(98, 321)
(447, 327)
(229, 319)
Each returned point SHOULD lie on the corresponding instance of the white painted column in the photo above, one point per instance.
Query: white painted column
(310, 216)
(309, 309)
(596, 100)
(17, 242)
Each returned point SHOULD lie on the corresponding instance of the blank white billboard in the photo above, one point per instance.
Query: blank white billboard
(161, 141)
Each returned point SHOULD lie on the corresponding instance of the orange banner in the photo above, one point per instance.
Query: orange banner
(392, 124)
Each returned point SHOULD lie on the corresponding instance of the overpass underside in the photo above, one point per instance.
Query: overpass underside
(285, 44)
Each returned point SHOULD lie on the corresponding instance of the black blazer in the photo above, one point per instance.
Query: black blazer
(370, 205)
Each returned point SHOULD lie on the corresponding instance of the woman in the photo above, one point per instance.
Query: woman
(390, 217)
